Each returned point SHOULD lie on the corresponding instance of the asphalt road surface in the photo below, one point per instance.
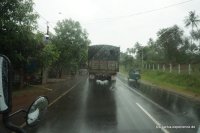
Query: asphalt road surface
(104, 108)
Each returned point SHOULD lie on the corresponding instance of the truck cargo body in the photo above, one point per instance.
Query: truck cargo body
(103, 62)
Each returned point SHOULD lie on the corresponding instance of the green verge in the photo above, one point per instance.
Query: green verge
(123, 70)
(178, 82)
(181, 83)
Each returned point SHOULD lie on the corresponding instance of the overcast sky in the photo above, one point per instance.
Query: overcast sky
(117, 22)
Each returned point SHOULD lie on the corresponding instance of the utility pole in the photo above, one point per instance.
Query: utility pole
(44, 71)
(47, 28)
(47, 34)
(142, 58)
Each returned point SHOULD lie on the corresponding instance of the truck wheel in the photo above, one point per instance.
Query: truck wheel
(109, 79)
(91, 83)
(113, 81)
(91, 80)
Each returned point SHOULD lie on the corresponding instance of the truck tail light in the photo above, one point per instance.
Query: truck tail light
(113, 77)
(91, 76)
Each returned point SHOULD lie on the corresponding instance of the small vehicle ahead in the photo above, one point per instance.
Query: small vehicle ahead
(134, 75)
(35, 111)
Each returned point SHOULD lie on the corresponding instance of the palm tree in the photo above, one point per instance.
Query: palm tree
(196, 35)
(192, 20)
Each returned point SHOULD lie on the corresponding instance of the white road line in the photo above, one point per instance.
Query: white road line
(54, 101)
(146, 98)
(152, 118)
(63, 94)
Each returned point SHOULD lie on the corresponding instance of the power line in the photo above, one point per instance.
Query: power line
(41, 28)
(144, 12)
(40, 15)
(153, 10)
(47, 22)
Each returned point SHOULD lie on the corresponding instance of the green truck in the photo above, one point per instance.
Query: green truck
(103, 62)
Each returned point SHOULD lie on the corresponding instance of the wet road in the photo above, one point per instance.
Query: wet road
(97, 108)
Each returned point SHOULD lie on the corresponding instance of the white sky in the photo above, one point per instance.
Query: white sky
(94, 16)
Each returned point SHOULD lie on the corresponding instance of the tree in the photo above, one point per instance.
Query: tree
(196, 35)
(153, 53)
(170, 39)
(192, 20)
(17, 23)
(188, 52)
(171, 46)
(72, 42)
(48, 56)
(127, 61)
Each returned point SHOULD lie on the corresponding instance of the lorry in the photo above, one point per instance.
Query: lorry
(103, 62)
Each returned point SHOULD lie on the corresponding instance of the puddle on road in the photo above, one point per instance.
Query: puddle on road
(101, 110)
(175, 103)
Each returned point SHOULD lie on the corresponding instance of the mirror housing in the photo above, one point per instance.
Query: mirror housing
(5, 84)
(37, 110)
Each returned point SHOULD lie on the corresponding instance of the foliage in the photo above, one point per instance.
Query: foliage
(153, 52)
(28, 51)
(192, 20)
(170, 39)
(171, 46)
(127, 61)
(16, 25)
(49, 55)
(196, 35)
(72, 43)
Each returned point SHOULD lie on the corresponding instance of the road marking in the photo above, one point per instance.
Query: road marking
(146, 98)
(23, 125)
(45, 88)
(152, 118)
(59, 97)
(54, 101)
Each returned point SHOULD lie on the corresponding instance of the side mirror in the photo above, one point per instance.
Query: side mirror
(37, 110)
(33, 114)
(5, 85)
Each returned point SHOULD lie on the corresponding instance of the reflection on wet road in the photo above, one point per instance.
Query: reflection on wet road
(96, 108)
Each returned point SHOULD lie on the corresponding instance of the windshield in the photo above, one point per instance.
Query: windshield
(106, 66)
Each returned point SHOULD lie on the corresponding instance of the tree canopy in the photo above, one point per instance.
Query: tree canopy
(27, 48)
(17, 23)
(72, 43)
(170, 46)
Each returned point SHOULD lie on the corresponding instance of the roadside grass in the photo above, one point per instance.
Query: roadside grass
(180, 83)
(123, 70)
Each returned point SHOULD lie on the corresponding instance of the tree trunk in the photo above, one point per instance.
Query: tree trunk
(44, 75)
(60, 73)
(21, 78)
